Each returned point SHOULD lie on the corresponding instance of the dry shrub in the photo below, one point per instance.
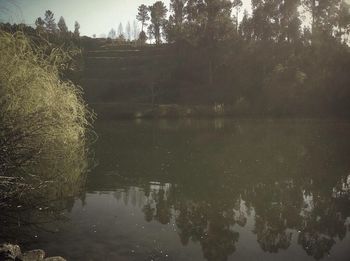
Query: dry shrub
(44, 122)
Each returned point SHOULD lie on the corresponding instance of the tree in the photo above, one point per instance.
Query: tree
(208, 20)
(128, 30)
(209, 23)
(289, 22)
(142, 37)
(40, 25)
(150, 32)
(191, 10)
(135, 30)
(143, 15)
(49, 20)
(276, 20)
(62, 25)
(323, 14)
(237, 4)
(310, 6)
(245, 28)
(121, 31)
(158, 13)
(265, 20)
(174, 25)
(327, 15)
(343, 19)
(112, 34)
(177, 6)
(76, 29)
(171, 31)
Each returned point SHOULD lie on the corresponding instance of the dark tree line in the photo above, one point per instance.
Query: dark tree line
(265, 61)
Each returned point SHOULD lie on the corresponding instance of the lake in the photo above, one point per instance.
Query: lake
(217, 189)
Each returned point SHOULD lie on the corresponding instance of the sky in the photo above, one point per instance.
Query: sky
(94, 16)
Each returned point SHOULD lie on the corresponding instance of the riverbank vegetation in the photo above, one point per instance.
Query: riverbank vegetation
(281, 57)
(277, 58)
(45, 123)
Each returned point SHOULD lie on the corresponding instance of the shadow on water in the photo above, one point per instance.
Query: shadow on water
(212, 189)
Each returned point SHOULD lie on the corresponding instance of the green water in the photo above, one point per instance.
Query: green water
(206, 190)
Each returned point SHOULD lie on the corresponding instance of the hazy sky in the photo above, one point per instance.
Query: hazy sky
(95, 16)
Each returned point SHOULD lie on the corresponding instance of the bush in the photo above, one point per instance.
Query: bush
(44, 122)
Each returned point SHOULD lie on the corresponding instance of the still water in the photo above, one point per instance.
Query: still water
(207, 190)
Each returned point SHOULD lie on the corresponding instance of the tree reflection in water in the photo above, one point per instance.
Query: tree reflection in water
(287, 178)
(263, 185)
(281, 211)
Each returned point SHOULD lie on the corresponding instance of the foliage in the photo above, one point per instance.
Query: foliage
(49, 21)
(43, 119)
(158, 13)
(143, 37)
(128, 30)
(269, 60)
(120, 31)
(143, 15)
(76, 29)
(62, 26)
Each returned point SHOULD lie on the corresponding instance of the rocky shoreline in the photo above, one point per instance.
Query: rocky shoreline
(9, 252)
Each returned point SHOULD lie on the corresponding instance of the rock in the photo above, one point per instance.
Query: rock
(9, 252)
(33, 255)
(55, 258)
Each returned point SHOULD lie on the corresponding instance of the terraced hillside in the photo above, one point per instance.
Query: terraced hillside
(127, 75)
